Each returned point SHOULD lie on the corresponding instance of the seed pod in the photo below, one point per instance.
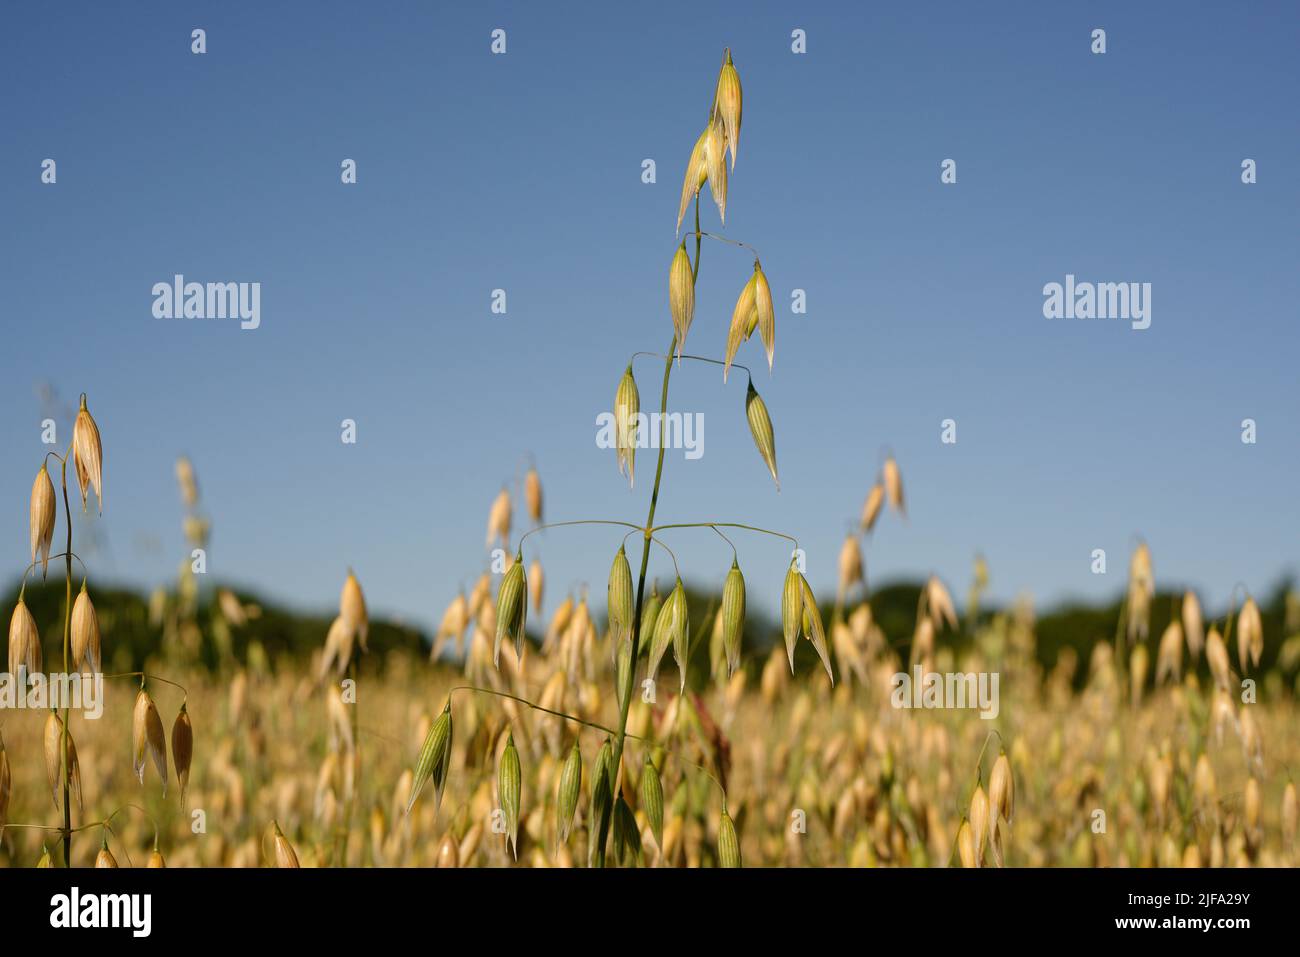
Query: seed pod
(24, 641)
(182, 749)
(791, 610)
(681, 296)
(627, 836)
(764, 313)
(533, 495)
(105, 857)
(812, 624)
(744, 318)
(733, 616)
(760, 426)
(509, 782)
(53, 738)
(620, 605)
(669, 621)
(1002, 790)
(88, 455)
(512, 609)
(1250, 635)
(728, 842)
(871, 507)
(1193, 624)
(715, 164)
(652, 799)
(697, 171)
(627, 412)
(42, 518)
(434, 759)
(601, 803)
(85, 633)
(681, 632)
(649, 615)
(727, 103)
(893, 482)
(285, 856)
(147, 736)
(566, 801)
(352, 608)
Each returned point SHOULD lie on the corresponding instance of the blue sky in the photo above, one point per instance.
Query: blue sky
(522, 172)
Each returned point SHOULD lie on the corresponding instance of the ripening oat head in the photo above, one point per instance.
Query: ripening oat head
(760, 426)
(850, 564)
(733, 616)
(42, 518)
(511, 609)
(434, 760)
(1216, 656)
(715, 164)
(88, 455)
(285, 856)
(871, 507)
(727, 103)
(744, 319)
(498, 524)
(620, 598)
(24, 641)
(791, 610)
(764, 314)
(352, 608)
(156, 859)
(182, 749)
(566, 798)
(627, 410)
(1250, 635)
(1140, 574)
(1002, 790)
(697, 171)
(893, 482)
(681, 296)
(105, 857)
(1169, 653)
(939, 604)
(448, 851)
(339, 641)
(669, 621)
(147, 738)
(1193, 624)
(53, 739)
(652, 799)
(728, 842)
(678, 618)
(649, 618)
(509, 786)
(601, 802)
(533, 495)
(812, 625)
(86, 654)
(966, 845)
(536, 581)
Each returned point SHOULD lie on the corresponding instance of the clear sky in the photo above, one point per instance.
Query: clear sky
(522, 171)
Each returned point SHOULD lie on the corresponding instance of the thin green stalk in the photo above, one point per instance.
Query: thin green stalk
(67, 641)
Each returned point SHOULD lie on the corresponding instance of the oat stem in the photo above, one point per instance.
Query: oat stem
(67, 641)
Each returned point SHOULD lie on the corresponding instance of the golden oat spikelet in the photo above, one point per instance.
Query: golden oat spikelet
(24, 641)
(498, 524)
(764, 313)
(939, 604)
(536, 581)
(105, 857)
(533, 495)
(893, 482)
(871, 507)
(627, 413)
(42, 518)
(744, 318)
(285, 855)
(697, 171)
(850, 564)
(1250, 635)
(182, 749)
(88, 455)
(1216, 656)
(681, 296)
(86, 654)
(715, 164)
(1002, 791)
(1193, 624)
(727, 103)
(53, 740)
(147, 738)
(352, 608)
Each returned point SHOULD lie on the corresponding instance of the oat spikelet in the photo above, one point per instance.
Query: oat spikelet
(105, 857)
(536, 581)
(24, 641)
(1216, 656)
(566, 799)
(728, 842)
(727, 103)
(620, 598)
(627, 414)
(156, 859)
(760, 427)
(850, 564)
(652, 799)
(670, 620)
(147, 738)
(681, 296)
(744, 319)
(966, 845)
(791, 610)
(498, 524)
(88, 455)
(697, 171)
(979, 822)
(1169, 654)
(182, 749)
(871, 507)
(285, 856)
(85, 634)
(1002, 791)
(812, 626)
(53, 739)
(939, 604)
(1193, 624)
(893, 482)
(509, 784)
(511, 609)
(533, 495)
(733, 616)
(679, 624)
(434, 760)
(764, 313)
(1250, 635)
(42, 518)
(715, 164)
(352, 608)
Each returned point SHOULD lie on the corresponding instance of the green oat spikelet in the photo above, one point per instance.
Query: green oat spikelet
(566, 801)
(733, 616)
(652, 799)
(509, 784)
(512, 608)
(760, 425)
(434, 760)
